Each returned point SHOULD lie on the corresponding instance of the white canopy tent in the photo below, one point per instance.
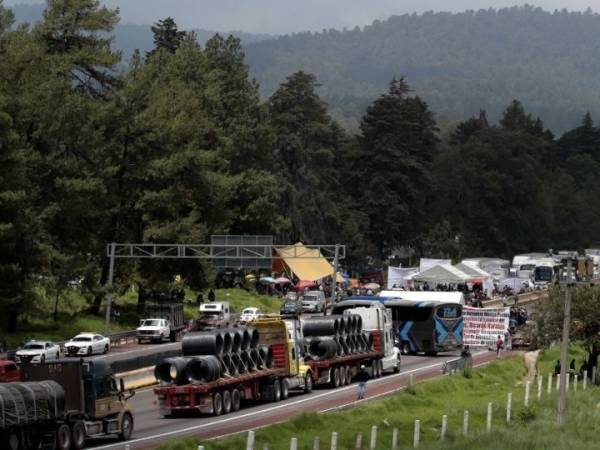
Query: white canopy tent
(477, 273)
(428, 263)
(441, 273)
(397, 276)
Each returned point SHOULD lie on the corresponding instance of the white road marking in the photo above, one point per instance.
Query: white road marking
(266, 410)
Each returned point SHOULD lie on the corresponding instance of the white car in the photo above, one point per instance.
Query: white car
(86, 344)
(250, 314)
(37, 352)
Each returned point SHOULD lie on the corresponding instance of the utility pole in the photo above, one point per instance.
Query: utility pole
(564, 347)
(335, 271)
(109, 283)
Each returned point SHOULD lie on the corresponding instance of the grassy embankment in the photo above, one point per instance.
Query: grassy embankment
(73, 316)
(531, 428)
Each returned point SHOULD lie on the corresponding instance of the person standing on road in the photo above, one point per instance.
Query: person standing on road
(499, 346)
(362, 378)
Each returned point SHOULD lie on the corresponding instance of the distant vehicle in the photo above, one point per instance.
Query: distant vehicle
(313, 301)
(86, 344)
(250, 314)
(163, 321)
(291, 308)
(9, 371)
(213, 315)
(37, 352)
(153, 330)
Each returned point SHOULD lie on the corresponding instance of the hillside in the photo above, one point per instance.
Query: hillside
(458, 63)
(129, 37)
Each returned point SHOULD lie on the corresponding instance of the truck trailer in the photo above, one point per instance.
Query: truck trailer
(291, 368)
(61, 404)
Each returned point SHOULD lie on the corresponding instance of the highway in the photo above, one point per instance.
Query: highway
(151, 429)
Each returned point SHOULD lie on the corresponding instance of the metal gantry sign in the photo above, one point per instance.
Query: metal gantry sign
(225, 252)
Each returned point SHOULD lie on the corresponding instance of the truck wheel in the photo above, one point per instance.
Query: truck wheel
(173, 336)
(126, 427)
(42, 359)
(89, 351)
(380, 368)
(348, 375)
(139, 341)
(335, 378)
(374, 366)
(217, 404)
(105, 349)
(63, 437)
(78, 436)
(397, 366)
(235, 400)
(12, 441)
(285, 389)
(405, 348)
(342, 376)
(276, 391)
(226, 402)
(308, 383)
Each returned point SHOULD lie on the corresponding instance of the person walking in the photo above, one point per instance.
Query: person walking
(499, 346)
(362, 378)
(557, 367)
(211, 296)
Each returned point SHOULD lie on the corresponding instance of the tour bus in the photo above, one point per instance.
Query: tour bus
(421, 327)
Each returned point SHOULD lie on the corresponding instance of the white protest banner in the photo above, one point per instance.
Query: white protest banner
(483, 325)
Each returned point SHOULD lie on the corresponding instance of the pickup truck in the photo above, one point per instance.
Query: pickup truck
(313, 301)
(164, 321)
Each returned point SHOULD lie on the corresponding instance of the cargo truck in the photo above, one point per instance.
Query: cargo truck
(290, 369)
(61, 404)
(162, 321)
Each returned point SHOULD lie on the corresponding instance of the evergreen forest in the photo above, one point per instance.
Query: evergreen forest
(176, 145)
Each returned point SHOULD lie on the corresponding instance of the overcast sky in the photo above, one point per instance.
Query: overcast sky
(285, 16)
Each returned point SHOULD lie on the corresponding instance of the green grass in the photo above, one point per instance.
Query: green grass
(431, 399)
(74, 318)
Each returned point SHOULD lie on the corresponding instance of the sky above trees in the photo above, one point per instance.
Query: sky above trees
(285, 16)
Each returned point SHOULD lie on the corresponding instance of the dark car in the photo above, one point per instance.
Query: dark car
(291, 308)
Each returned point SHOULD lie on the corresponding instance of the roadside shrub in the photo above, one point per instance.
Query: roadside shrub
(526, 415)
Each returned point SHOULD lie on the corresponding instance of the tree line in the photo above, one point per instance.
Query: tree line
(179, 146)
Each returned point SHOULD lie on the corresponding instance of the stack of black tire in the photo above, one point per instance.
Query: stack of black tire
(330, 336)
(210, 355)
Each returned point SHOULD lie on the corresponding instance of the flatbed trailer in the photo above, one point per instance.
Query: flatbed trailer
(340, 370)
(220, 396)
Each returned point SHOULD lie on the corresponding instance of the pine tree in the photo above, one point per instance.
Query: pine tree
(398, 142)
(167, 37)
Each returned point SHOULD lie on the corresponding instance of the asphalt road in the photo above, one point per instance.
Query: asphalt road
(151, 429)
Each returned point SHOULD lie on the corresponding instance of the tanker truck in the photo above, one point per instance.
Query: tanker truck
(61, 404)
(272, 357)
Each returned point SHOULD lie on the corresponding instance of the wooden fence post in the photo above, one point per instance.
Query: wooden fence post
(594, 375)
(334, 441)
(444, 427)
(584, 379)
(539, 390)
(488, 422)
(557, 382)
(395, 439)
(549, 384)
(575, 382)
(200, 447)
(508, 407)
(316, 443)
(527, 387)
(466, 423)
(250, 441)
(568, 380)
(373, 444)
(294, 444)
(417, 435)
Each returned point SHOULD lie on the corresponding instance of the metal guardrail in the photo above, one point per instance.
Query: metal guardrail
(457, 364)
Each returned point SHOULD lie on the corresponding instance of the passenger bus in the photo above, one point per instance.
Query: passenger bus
(420, 327)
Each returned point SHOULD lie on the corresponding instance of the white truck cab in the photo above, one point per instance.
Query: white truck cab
(379, 318)
(153, 330)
